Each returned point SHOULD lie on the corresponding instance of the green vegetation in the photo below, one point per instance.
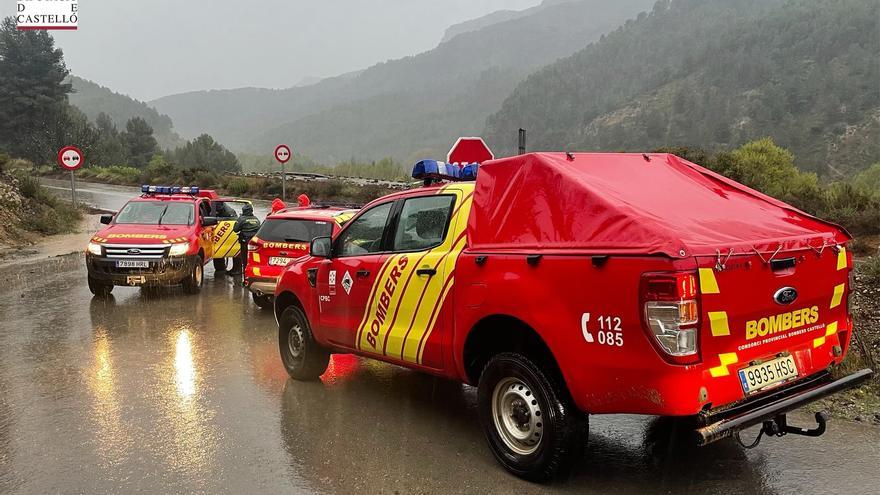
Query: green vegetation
(715, 74)
(869, 271)
(95, 100)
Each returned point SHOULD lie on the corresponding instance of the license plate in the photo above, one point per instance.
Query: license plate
(136, 280)
(278, 261)
(132, 264)
(769, 374)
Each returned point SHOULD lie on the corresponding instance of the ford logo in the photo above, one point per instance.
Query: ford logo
(785, 295)
(134, 251)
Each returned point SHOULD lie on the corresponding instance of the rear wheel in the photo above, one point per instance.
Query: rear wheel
(303, 358)
(193, 283)
(264, 301)
(100, 289)
(531, 425)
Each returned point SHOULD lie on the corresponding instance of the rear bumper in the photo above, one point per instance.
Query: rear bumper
(714, 425)
(166, 271)
(261, 286)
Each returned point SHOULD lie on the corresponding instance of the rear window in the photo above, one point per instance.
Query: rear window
(279, 230)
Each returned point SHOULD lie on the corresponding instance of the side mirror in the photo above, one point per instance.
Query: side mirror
(320, 247)
(209, 221)
(106, 218)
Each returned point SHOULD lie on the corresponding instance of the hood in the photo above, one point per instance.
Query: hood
(631, 203)
(144, 234)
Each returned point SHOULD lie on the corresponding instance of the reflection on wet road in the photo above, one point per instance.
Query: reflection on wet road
(164, 392)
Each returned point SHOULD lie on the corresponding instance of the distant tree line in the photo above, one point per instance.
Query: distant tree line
(36, 118)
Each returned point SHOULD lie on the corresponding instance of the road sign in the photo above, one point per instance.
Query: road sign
(469, 150)
(282, 153)
(70, 158)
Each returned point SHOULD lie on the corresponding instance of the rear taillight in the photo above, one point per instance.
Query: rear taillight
(253, 246)
(672, 315)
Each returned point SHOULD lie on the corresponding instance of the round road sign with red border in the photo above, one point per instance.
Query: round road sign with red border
(70, 158)
(282, 153)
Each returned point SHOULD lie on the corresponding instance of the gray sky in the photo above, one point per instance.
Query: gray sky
(153, 48)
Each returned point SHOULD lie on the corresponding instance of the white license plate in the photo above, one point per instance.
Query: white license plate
(769, 374)
(136, 280)
(132, 264)
(278, 261)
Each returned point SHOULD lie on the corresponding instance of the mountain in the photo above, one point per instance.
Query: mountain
(496, 17)
(402, 108)
(715, 74)
(92, 99)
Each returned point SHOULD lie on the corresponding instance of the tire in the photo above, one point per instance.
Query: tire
(531, 424)
(220, 265)
(193, 283)
(303, 358)
(99, 289)
(264, 302)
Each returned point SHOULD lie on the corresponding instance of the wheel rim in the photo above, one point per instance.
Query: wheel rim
(198, 275)
(295, 341)
(517, 416)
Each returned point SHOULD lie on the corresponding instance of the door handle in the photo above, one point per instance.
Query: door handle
(426, 271)
(363, 273)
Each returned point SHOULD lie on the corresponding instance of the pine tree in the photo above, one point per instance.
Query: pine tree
(139, 142)
(33, 94)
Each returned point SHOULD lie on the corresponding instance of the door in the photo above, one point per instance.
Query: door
(206, 234)
(405, 320)
(345, 281)
(224, 239)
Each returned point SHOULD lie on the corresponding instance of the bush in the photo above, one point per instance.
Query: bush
(29, 186)
(869, 271)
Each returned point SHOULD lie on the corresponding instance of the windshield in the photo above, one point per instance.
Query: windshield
(156, 213)
(279, 230)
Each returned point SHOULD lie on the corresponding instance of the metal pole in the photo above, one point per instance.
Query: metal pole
(73, 188)
(283, 183)
(522, 141)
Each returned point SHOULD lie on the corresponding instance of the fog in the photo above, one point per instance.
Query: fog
(162, 47)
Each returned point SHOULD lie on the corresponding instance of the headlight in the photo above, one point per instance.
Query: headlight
(94, 248)
(179, 249)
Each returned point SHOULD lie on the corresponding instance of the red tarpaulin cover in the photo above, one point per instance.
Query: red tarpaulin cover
(625, 203)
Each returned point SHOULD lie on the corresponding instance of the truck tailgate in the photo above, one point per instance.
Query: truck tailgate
(756, 310)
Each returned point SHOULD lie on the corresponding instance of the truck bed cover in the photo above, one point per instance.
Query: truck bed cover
(630, 203)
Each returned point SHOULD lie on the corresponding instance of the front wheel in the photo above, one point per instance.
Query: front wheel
(530, 423)
(193, 283)
(263, 302)
(303, 358)
(100, 289)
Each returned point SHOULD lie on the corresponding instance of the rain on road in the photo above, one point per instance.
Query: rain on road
(158, 391)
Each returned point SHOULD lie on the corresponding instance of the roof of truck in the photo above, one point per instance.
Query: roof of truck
(630, 203)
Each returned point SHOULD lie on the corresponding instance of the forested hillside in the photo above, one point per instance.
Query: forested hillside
(715, 74)
(93, 99)
(398, 108)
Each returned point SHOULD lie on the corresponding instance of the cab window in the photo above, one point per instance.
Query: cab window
(364, 234)
(422, 223)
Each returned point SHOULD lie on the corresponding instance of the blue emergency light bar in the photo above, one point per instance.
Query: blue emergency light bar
(149, 189)
(432, 169)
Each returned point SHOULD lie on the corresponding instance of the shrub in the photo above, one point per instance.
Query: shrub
(869, 271)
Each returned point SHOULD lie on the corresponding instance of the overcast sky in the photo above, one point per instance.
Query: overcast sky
(148, 49)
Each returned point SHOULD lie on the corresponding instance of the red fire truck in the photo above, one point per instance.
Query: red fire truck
(563, 285)
(163, 237)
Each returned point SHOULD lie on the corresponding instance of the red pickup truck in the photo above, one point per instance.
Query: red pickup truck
(563, 285)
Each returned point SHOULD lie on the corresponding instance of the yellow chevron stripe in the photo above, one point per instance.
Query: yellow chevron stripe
(841, 258)
(726, 360)
(838, 295)
(708, 284)
(718, 323)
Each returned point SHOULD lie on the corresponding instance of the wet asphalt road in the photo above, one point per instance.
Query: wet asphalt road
(166, 392)
(162, 392)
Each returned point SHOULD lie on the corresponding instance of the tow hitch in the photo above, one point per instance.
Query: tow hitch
(779, 427)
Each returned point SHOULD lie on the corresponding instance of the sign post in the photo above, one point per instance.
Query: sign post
(469, 150)
(71, 158)
(282, 154)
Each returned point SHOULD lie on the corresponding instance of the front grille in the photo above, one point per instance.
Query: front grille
(135, 251)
